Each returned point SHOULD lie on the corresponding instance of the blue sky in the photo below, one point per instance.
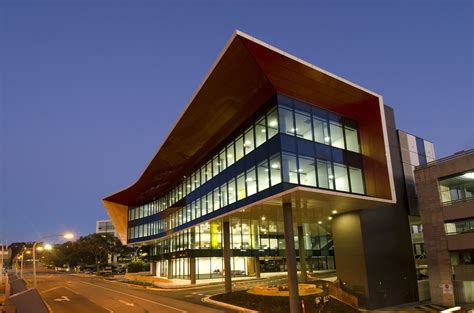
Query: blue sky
(89, 89)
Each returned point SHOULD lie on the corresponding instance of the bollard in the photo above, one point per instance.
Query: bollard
(303, 310)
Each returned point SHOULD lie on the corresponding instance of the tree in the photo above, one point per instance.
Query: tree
(87, 250)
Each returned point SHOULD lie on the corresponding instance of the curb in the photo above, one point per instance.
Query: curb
(208, 300)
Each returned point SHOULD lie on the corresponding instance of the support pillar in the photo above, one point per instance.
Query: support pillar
(302, 254)
(257, 267)
(192, 270)
(227, 270)
(170, 269)
(153, 268)
(291, 258)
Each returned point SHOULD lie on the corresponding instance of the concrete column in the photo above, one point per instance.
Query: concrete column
(153, 268)
(170, 269)
(227, 270)
(302, 253)
(192, 270)
(257, 267)
(291, 258)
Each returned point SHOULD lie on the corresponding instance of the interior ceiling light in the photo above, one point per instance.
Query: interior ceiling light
(334, 212)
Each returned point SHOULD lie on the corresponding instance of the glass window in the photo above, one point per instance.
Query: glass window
(249, 143)
(303, 125)
(231, 190)
(352, 139)
(189, 186)
(223, 195)
(325, 175)
(217, 200)
(357, 181)
(230, 154)
(260, 132)
(196, 179)
(337, 138)
(340, 177)
(457, 188)
(210, 202)
(241, 193)
(263, 175)
(215, 165)
(272, 119)
(239, 148)
(222, 160)
(321, 132)
(208, 171)
(286, 121)
(290, 172)
(275, 170)
(251, 182)
(307, 171)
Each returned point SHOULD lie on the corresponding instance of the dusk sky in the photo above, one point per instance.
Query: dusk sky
(89, 89)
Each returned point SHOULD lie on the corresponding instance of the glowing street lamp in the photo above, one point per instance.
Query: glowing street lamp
(64, 235)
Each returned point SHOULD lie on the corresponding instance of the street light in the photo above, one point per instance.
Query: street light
(64, 235)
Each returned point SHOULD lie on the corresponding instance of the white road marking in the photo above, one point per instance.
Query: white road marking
(194, 293)
(63, 298)
(136, 297)
(187, 296)
(126, 303)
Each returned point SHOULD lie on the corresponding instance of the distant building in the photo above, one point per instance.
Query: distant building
(446, 203)
(105, 226)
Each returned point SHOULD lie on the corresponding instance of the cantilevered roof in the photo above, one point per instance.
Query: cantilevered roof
(246, 74)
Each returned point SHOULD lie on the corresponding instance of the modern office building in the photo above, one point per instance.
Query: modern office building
(276, 165)
(446, 202)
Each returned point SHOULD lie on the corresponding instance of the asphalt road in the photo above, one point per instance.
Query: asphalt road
(69, 293)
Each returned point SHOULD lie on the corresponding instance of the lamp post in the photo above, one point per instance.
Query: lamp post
(64, 235)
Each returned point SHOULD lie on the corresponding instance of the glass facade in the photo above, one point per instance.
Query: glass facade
(249, 239)
(288, 143)
(456, 188)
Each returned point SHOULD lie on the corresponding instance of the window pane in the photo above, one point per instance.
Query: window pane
(303, 125)
(222, 160)
(208, 171)
(241, 194)
(307, 171)
(210, 207)
(321, 133)
(337, 138)
(275, 170)
(202, 178)
(325, 176)
(340, 177)
(352, 139)
(249, 143)
(217, 200)
(290, 173)
(260, 132)
(272, 119)
(231, 190)
(239, 148)
(357, 181)
(223, 195)
(215, 165)
(230, 154)
(286, 121)
(263, 176)
(251, 182)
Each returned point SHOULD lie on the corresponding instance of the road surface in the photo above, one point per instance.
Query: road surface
(70, 293)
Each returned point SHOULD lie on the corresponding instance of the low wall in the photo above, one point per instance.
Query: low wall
(146, 278)
(424, 290)
(342, 295)
(463, 291)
